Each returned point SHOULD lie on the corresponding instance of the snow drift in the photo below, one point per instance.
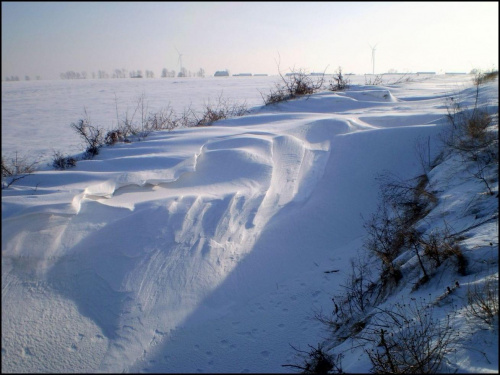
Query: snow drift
(203, 249)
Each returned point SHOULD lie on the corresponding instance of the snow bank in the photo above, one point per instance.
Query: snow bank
(202, 250)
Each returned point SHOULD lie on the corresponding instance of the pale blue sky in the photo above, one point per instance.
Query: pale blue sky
(48, 38)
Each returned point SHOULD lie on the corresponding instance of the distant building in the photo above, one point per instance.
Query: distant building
(397, 74)
(221, 73)
(242, 75)
(260, 75)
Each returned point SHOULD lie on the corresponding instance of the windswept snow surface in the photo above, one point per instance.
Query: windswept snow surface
(205, 249)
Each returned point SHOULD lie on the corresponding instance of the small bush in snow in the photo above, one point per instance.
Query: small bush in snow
(408, 339)
(482, 77)
(373, 81)
(385, 239)
(339, 82)
(482, 300)
(357, 296)
(114, 136)
(411, 199)
(439, 246)
(59, 161)
(141, 123)
(92, 135)
(162, 120)
(474, 137)
(221, 110)
(17, 165)
(16, 169)
(318, 361)
(293, 85)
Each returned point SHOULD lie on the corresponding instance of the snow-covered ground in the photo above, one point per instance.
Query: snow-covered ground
(206, 249)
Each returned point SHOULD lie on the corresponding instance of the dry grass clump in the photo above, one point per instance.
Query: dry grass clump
(482, 300)
(293, 85)
(409, 339)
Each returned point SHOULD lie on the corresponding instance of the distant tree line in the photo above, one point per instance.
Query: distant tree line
(12, 78)
(16, 78)
(165, 73)
(123, 73)
(73, 75)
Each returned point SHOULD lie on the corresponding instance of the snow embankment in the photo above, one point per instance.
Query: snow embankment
(200, 249)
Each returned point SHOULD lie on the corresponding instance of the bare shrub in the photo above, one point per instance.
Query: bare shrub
(373, 81)
(391, 230)
(473, 136)
(276, 95)
(140, 128)
(357, 296)
(142, 107)
(92, 135)
(385, 239)
(114, 136)
(339, 82)
(128, 126)
(469, 125)
(423, 153)
(61, 162)
(408, 339)
(482, 300)
(188, 117)
(317, 361)
(17, 165)
(440, 245)
(409, 198)
(470, 130)
(163, 120)
(413, 238)
(292, 85)
(482, 77)
(137, 128)
(15, 169)
(222, 109)
(403, 79)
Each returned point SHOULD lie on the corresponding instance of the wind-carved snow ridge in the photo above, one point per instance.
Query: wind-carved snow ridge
(187, 228)
(108, 188)
(381, 95)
